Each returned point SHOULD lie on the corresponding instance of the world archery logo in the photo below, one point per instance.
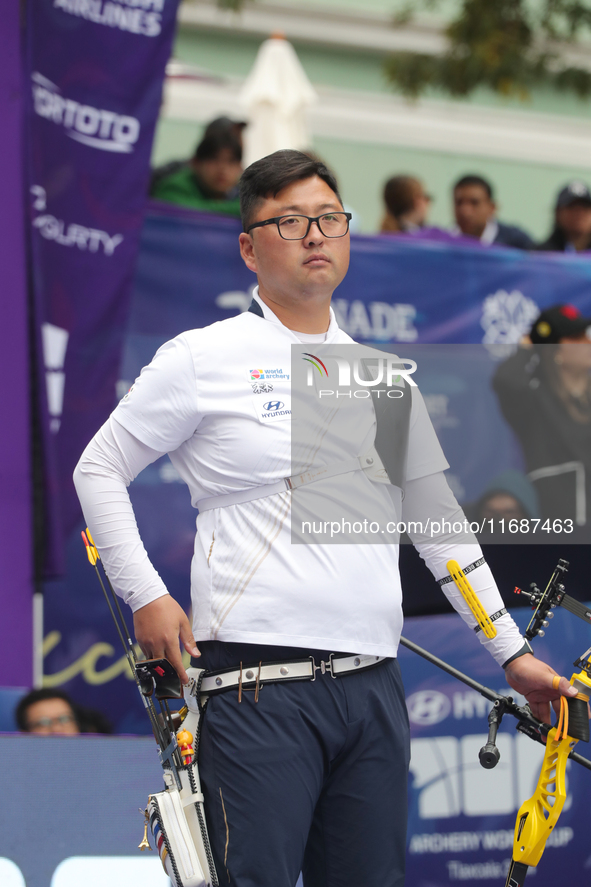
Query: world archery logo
(316, 362)
(256, 375)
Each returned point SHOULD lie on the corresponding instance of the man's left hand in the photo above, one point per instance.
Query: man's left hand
(533, 679)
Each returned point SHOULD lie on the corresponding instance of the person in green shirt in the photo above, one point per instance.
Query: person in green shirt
(209, 180)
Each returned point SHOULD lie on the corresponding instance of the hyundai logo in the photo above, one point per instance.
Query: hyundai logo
(428, 707)
(273, 405)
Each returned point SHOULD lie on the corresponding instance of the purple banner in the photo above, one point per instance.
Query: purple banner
(16, 592)
(96, 71)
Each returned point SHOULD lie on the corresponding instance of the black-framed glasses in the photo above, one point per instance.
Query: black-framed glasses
(295, 227)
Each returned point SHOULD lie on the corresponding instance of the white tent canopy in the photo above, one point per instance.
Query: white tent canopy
(276, 96)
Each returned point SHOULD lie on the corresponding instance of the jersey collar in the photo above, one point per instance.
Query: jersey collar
(258, 307)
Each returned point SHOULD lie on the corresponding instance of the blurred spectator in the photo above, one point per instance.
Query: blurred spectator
(222, 125)
(545, 396)
(475, 213)
(407, 205)
(209, 180)
(572, 220)
(92, 721)
(509, 496)
(49, 712)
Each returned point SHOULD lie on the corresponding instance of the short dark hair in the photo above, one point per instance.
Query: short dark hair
(400, 193)
(465, 181)
(212, 143)
(20, 712)
(271, 174)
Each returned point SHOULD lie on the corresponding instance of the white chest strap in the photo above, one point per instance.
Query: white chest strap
(370, 463)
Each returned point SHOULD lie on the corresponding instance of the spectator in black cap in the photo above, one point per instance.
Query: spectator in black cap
(476, 215)
(572, 220)
(209, 180)
(544, 391)
(560, 323)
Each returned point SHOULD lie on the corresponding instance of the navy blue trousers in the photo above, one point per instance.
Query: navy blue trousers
(311, 778)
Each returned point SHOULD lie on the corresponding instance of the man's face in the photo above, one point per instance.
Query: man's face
(574, 352)
(575, 220)
(51, 716)
(421, 209)
(473, 208)
(297, 268)
(502, 505)
(219, 173)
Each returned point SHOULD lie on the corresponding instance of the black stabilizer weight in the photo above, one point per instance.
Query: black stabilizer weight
(489, 756)
(578, 719)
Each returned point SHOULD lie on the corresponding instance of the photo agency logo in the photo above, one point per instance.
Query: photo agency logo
(371, 374)
(95, 127)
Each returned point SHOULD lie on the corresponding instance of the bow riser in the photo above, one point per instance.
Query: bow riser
(538, 815)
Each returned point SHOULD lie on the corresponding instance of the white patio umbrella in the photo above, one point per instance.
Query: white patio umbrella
(275, 95)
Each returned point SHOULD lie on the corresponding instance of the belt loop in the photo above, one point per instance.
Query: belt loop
(240, 684)
(256, 689)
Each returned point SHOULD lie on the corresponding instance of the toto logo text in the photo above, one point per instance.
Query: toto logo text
(97, 128)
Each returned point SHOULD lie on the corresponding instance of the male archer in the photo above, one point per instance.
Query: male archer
(310, 774)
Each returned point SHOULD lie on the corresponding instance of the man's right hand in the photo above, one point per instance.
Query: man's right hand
(159, 626)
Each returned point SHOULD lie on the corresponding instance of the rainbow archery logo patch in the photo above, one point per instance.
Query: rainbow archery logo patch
(256, 375)
(316, 362)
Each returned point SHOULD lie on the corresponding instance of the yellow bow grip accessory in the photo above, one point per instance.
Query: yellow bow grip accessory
(472, 599)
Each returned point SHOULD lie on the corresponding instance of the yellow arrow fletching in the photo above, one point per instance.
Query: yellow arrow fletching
(92, 545)
(472, 599)
(91, 549)
(91, 540)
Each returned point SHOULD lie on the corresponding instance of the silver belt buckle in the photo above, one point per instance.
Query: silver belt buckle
(323, 667)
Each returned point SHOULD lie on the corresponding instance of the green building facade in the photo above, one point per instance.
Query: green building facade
(360, 126)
